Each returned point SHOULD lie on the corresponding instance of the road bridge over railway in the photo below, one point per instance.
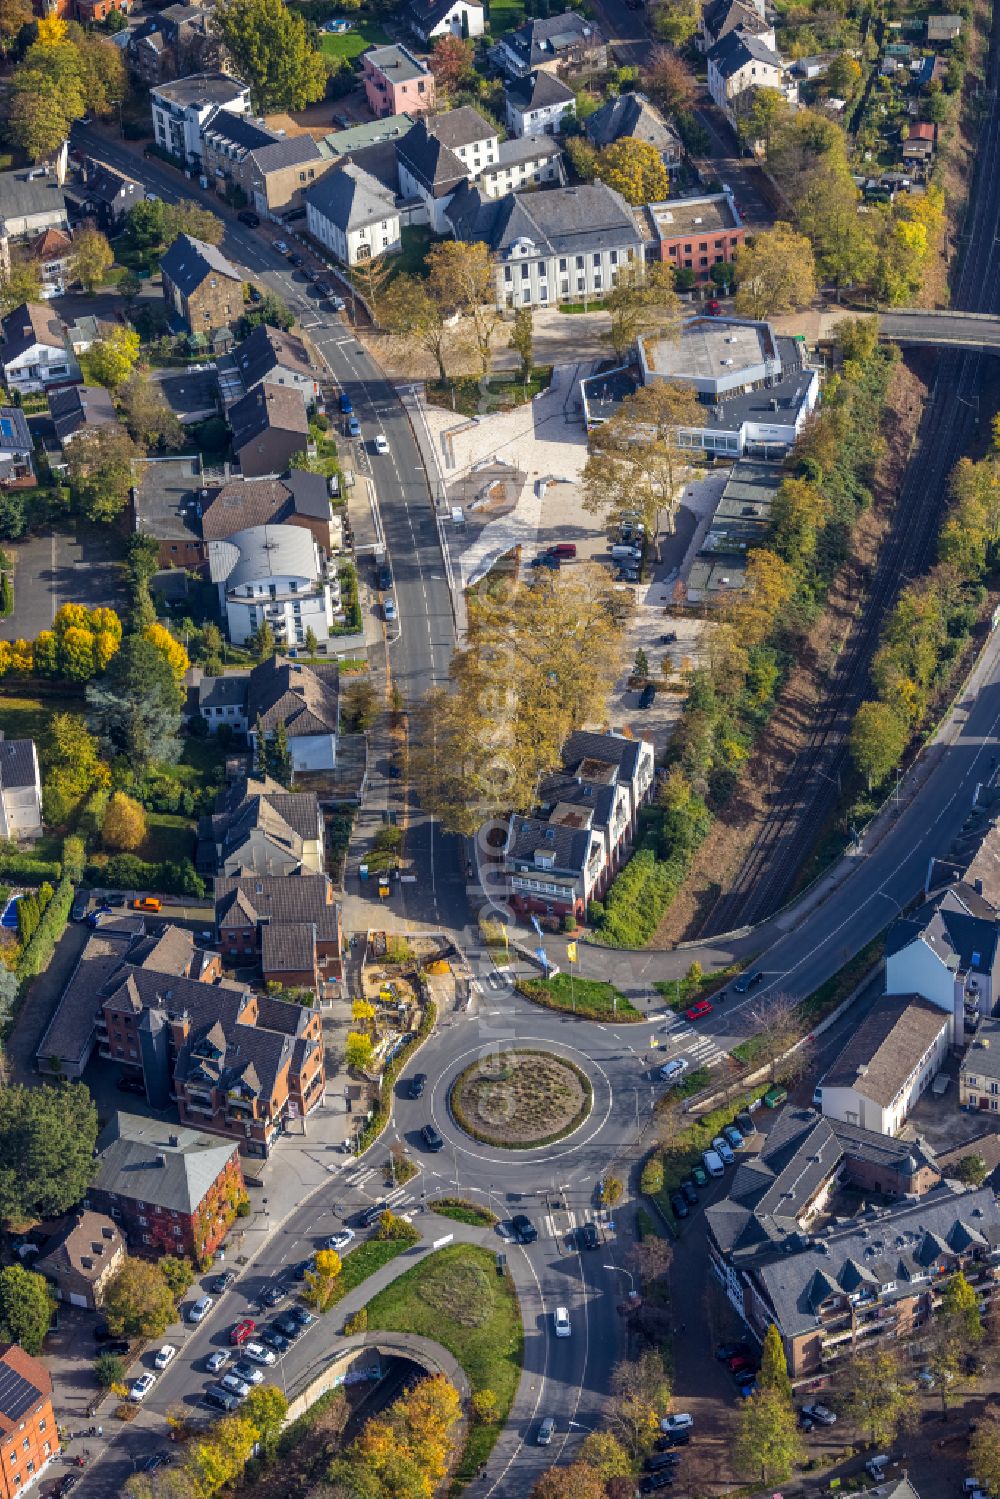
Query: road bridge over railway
(943, 329)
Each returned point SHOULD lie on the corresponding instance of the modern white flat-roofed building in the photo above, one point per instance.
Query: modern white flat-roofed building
(274, 574)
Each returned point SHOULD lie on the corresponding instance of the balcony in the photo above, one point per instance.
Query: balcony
(196, 1107)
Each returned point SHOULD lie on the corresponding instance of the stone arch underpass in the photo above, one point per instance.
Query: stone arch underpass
(356, 1359)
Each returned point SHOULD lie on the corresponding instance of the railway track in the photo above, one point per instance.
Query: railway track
(808, 792)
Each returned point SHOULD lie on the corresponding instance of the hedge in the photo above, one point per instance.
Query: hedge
(127, 872)
(30, 871)
(635, 904)
(51, 927)
(651, 1180)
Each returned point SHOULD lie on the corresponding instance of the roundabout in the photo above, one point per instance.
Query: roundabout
(521, 1099)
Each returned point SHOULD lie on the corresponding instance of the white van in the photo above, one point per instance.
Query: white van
(673, 1071)
(712, 1161)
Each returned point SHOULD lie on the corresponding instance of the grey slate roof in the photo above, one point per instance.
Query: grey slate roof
(241, 504)
(229, 691)
(227, 128)
(17, 763)
(564, 221)
(284, 819)
(524, 148)
(462, 127)
(289, 947)
(424, 15)
(25, 195)
(250, 899)
(536, 91)
(959, 924)
(15, 434)
(138, 1159)
(31, 323)
(723, 16)
(189, 261)
(431, 161)
(350, 198)
(982, 1058)
(265, 350)
(605, 749)
(268, 408)
(736, 49)
(540, 41)
(303, 698)
(568, 846)
(78, 408)
(632, 115)
(290, 151)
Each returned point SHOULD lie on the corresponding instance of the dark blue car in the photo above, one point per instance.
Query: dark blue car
(346, 405)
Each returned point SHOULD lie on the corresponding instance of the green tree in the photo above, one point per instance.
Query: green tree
(358, 1049)
(761, 113)
(984, 1451)
(14, 16)
(461, 278)
(270, 311)
(270, 47)
(635, 169)
(99, 467)
(452, 62)
(311, 643)
(146, 414)
(124, 826)
(92, 259)
(138, 1302)
(370, 278)
(606, 1455)
(959, 1309)
(583, 157)
(577, 1481)
(972, 1169)
(418, 319)
(26, 1307)
(643, 300)
(775, 272)
(109, 1369)
(178, 1274)
(262, 641)
(266, 1408)
(522, 340)
(878, 1397)
(111, 360)
(47, 1140)
(279, 755)
(674, 21)
(767, 1444)
(773, 1364)
(321, 1283)
(136, 708)
(878, 739)
(20, 281)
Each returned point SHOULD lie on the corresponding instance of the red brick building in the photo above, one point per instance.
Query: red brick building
(171, 1190)
(290, 926)
(28, 1439)
(696, 233)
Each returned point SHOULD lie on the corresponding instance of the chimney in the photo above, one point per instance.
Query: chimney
(161, 1159)
(174, 1140)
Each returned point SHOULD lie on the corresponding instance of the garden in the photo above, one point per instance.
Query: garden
(591, 998)
(521, 1099)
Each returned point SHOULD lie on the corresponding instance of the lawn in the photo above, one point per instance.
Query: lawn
(505, 15)
(462, 1211)
(412, 258)
(475, 397)
(588, 997)
(457, 1298)
(202, 760)
(167, 837)
(679, 993)
(364, 33)
(363, 1262)
(26, 717)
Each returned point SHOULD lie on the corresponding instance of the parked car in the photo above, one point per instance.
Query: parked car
(741, 1363)
(295, 259)
(280, 246)
(353, 427)
(656, 1481)
(248, 217)
(725, 1351)
(875, 1466)
(337, 303)
(713, 1163)
(141, 1387)
(662, 1462)
(431, 1138)
(560, 1322)
(821, 1414)
(287, 1327)
(79, 908)
(524, 1230)
(383, 582)
(233, 1385)
(217, 1360)
(304, 1268)
(220, 1399)
(647, 697)
(733, 1135)
(389, 610)
(346, 404)
(200, 1309)
(97, 916)
(258, 1354)
(545, 1431)
(302, 1316)
(775, 1097)
(563, 549)
(250, 1373)
(339, 1240)
(699, 1011)
(546, 559)
(131, 1084)
(699, 1176)
(690, 1192)
(165, 1355)
(221, 1283)
(242, 1330)
(679, 1422)
(672, 1439)
(724, 1149)
(147, 903)
(272, 1338)
(678, 1206)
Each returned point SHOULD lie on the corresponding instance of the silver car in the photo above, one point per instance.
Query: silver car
(545, 1431)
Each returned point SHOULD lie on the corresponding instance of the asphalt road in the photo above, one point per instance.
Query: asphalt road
(975, 330)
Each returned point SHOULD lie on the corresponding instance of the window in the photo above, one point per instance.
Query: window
(614, 257)
(597, 259)
(42, 1424)
(525, 272)
(579, 262)
(25, 1445)
(562, 265)
(508, 274)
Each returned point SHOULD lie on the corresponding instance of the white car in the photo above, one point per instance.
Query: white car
(248, 1372)
(673, 1071)
(722, 1147)
(141, 1387)
(560, 1321)
(233, 1385)
(280, 246)
(680, 1422)
(217, 1360)
(381, 444)
(166, 1353)
(389, 610)
(257, 1353)
(200, 1309)
(821, 1414)
(339, 1240)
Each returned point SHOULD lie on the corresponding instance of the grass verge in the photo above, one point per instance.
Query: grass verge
(168, 836)
(24, 718)
(460, 1210)
(591, 998)
(679, 993)
(456, 1298)
(362, 1262)
(364, 33)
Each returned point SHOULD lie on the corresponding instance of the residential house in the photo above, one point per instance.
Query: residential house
(947, 950)
(305, 701)
(17, 449)
(889, 1062)
(91, 12)
(270, 426)
(634, 117)
(695, 234)
(32, 199)
(79, 409)
(396, 82)
(591, 795)
(81, 1258)
(567, 43)
(260, 828)
(612, 759)
(342, 144)
(921, 141)
(943, 28)
(172, 1188)
(979, 1070)
(166, 504)
(220, 701)
(553, 867)
(104, 195)
(755, 388)
(176, 42)
(29, 1438)
(741, 62)
(787, 1251)
(52, 252)
(273, 574)
(182, 109)
(550, 247)
(270, 357)
(353, 215)
(298, 499)
(34, 350)
(538, 104)
(200, 285)
(259, 918)
(20, 790)
(429, 19)
(720, 17)
(442, 155)
(272, 170)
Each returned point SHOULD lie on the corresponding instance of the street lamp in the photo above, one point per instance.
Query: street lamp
(622, 1271)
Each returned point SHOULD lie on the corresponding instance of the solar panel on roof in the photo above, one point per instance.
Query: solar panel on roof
(17, 1394)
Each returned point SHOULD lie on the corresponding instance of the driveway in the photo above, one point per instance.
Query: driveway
(76, 567)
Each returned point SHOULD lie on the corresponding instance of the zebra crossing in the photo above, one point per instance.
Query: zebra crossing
(683, 1040)
(398, 1199)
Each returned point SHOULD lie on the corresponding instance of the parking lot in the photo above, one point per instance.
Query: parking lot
(72, 567)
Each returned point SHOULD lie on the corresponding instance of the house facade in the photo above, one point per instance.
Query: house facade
(182, 109)
(740, 62)
(888, 1064)
(565, 44)
(35, 352)
(396, 82)
(200, 285)
(29, 1439)
(948, 951)
(20, 790)
(294, 923)
(695, 234)
(439, 158)
(272, 171)
(274, 574)
(538, 104)
(979, 1070)
(429, 19)
(270, 427)
(635, 117)
(82, 1258)
(353, 215)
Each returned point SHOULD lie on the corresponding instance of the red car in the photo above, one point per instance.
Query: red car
(740, 1364)
(698, 1011)
(242, 1331)
(713, 307)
